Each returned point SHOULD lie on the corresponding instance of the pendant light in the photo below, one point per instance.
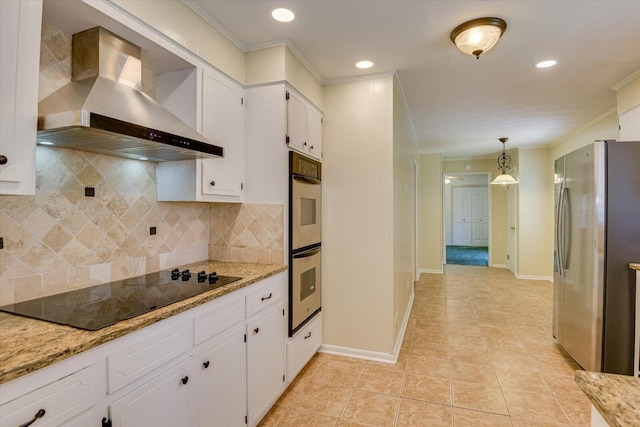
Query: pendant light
(504, 160)
(478, 35)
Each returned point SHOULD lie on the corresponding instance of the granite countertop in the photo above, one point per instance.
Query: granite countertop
(634, 266)
(27, 344)
(616, 397)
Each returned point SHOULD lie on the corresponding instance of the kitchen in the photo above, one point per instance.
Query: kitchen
(191, 232)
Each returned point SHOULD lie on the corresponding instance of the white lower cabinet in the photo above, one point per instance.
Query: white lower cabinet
(218, 364)
(165, 401)
(57, 402)
(221, 381)
(265, 361)
(303, 345)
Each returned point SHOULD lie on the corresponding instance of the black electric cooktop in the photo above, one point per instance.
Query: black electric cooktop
(103, 305)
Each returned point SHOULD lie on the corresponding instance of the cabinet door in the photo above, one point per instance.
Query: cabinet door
(20, 23)
(57, 402)
(162, 402)
(223, 124)
(314, 133)
(222, 383)
(265, 361)
(297, 121)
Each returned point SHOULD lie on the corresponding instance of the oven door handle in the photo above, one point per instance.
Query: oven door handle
(306, 254)
(307, 179)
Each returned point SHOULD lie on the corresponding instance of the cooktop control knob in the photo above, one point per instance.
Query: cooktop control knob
(213, 278)
(175, 274)
(186, 275)
(202, 276)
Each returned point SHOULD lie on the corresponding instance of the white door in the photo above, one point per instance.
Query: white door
(511, 232)
(461, 216)
(480, 216)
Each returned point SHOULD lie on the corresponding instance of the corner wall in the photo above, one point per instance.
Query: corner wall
(535, 215)
(404, 233)
(357, 236)
(430, 247)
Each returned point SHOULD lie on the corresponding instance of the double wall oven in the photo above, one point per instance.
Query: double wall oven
(305, 235)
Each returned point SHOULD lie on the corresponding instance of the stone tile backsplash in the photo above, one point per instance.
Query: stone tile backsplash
(59, 239)
(248, 232)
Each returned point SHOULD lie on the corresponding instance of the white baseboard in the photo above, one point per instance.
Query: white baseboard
(357, 353)
(498, 265)
(403, 328)
(527, 277)
(375, 356)
(429, 271)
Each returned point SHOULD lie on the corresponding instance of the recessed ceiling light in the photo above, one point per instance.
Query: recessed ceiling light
(143, 158)
(45, 143)
(364, 64)
(546, 64)
(283, 15)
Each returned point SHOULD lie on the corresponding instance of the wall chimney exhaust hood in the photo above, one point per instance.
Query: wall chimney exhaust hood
(102, 109)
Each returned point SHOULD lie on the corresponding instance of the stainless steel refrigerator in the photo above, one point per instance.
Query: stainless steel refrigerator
(597, 235)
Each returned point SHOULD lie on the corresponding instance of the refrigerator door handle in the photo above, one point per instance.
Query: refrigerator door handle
(566, 231)
(559, 230)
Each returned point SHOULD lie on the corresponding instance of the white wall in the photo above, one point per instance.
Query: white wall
(404, 152)
(179, 22)
(357, 212)
(430, 248)
(535, 214)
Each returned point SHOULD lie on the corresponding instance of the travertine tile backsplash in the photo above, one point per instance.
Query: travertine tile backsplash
(249, 233)
(60, 240)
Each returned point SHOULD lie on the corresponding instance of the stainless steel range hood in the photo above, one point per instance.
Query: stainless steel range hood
(102, 110)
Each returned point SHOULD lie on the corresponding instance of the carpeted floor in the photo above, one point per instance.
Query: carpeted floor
(468, 255)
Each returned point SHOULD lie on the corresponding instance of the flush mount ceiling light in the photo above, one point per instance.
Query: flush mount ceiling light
(504, 160)
(364, 64)
(283, 15)
(546, 64)
(478, 35)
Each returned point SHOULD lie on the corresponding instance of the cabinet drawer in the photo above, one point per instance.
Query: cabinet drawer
(303, 346)
(60, 400)
(218, 318)
(268, 293)
(146, 354)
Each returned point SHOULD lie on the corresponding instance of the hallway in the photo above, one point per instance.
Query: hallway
(478, 351)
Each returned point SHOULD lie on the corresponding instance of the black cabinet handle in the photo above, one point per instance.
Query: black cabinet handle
(269, 297)
(311, 148)
(206, 364)
(185, 379)
(38, 414)
(212, 183)
(308, 335)
(3, 161)
(256, 330)
(304, 145)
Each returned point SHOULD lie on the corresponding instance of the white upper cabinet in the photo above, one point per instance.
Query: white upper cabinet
(20, 23)
(223, 124)
(222, 119)
(304, 126)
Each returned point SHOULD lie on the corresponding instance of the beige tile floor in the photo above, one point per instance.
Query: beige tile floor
(478, 351)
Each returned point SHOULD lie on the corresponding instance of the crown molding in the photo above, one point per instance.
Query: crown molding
(627, 79)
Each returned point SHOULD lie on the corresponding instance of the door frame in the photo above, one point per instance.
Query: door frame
(444, 211)
(512, 218)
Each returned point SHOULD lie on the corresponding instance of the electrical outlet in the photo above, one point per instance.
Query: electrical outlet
(89, 192)
(153, 231)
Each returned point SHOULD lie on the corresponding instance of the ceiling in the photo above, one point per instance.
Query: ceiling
(460, 106)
